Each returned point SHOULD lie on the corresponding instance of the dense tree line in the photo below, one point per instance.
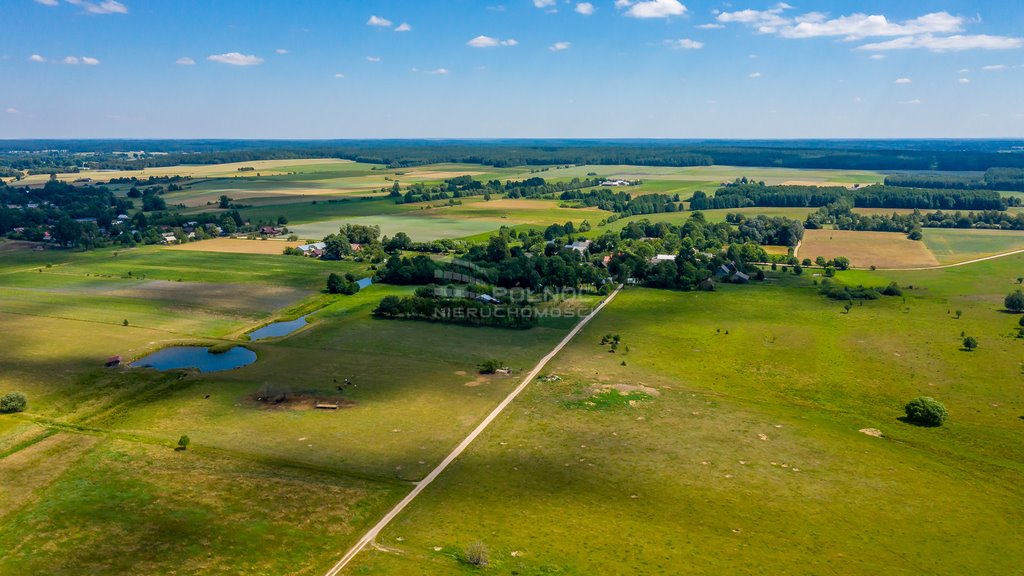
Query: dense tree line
(843, 217)
(991, 179)
(929, 155)
(623, 203)
(874, 196)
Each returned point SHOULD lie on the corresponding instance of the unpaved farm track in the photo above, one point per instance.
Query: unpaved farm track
(422, 484)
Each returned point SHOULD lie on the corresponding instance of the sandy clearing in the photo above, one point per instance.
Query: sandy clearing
(236, 246)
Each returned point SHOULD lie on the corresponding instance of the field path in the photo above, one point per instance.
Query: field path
(964, 263)
(371, 535)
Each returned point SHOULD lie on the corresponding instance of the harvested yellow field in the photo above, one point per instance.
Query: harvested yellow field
(237, 246)
(864, 249)
(776, 250)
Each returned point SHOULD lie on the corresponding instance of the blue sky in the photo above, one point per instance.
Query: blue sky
(512, 68)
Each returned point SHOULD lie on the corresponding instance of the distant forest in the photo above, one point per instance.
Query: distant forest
(918, 155)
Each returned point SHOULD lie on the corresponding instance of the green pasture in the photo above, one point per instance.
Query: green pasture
(747, 453)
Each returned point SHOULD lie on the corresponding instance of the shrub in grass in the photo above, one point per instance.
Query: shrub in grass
(12, 402)
(183, 442)
(489, 367)
(970, 343)
(477, 554)
(925, 411)
(1014, 301)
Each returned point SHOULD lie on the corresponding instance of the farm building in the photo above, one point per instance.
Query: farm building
(663, 258)
(580, 246)
(315, 250)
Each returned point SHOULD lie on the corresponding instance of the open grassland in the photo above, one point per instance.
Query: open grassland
(88, 472)
(864, 249)
(951, 245)
(741, 452)
(237, 246)
(124, 507)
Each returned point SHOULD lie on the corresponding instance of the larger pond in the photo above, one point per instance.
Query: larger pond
(198, 357)
(278, 329)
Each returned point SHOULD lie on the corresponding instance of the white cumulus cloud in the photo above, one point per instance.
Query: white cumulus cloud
(104, 7)
(373, 58)
(71, 60)
(47, 3)
(754, 75)
(489, 42)
(185, 61)
(378, 21)
(956, 43)
(438, 71)
(903, 81)
(281, 51)
(652, 8)
(403, 27)
(37, 58)
(235, 59)
(585, 8)
(710, 26)
(964, 80)
(90, 61)
(559, 46)
(994, 67)
(684, 44)
(544, 3)
(339, 75)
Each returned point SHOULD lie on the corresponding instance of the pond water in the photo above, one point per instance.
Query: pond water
(198, 357)
(364, 282)
(278, 329)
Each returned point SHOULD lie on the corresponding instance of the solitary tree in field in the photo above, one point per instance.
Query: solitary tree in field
(970, 343)
(12, 402)
(335, 284)
(183, 442)
(925, 411)
(1014, 301)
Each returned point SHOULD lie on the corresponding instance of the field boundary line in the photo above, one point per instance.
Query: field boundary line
(372, 533)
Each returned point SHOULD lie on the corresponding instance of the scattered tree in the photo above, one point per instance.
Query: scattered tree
(1014, 301)
(489, 367)
(970, 343)
(183, 442)
(12, 402)
(925, 411)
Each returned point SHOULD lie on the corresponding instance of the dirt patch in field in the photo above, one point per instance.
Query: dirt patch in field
(624, 389)
(14, 245)
(237, 246)
(231, 297)
(299, 402)
(875, 432)
(865, 249)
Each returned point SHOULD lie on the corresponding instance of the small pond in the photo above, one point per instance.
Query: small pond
(198, 357)
(364, 282)
(276, 329)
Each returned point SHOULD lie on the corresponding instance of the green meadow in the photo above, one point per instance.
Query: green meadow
(744, 448)
(732, 431)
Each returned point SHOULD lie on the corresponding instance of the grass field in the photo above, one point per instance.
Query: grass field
(741, 456)
(89, 472)
(724, 436)
(953, 245)
(864, 249)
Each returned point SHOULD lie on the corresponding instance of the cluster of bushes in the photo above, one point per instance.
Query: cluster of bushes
(838, 291)
(463, 311)
(342, 285)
